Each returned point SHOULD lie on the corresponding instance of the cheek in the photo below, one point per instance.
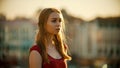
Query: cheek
(49, 28)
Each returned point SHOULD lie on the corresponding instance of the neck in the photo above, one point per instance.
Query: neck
(50, 40)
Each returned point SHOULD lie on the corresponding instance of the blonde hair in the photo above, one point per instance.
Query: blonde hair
(42, 35)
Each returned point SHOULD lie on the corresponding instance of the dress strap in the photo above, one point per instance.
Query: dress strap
(36, 48)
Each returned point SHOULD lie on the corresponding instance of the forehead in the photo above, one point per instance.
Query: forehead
(55, 15)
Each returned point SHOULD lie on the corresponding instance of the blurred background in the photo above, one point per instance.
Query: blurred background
(92, 30)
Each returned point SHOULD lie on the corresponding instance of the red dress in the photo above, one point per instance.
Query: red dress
(54, 63)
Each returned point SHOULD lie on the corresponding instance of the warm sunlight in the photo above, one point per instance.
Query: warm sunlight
(86, 9)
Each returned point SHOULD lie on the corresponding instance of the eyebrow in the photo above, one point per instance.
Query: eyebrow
(55, 18)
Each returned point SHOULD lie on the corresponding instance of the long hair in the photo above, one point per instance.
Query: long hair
(42, 35)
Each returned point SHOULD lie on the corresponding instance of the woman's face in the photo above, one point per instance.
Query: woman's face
(54, 23)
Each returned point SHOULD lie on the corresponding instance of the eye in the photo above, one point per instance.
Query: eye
(59, 20)
(54, 20)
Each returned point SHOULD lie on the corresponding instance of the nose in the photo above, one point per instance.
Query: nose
(58, 24)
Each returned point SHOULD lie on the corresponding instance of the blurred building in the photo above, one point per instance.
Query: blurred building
(98, 39)
(16, 37)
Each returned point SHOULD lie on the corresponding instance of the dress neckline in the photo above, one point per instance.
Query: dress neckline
(54, 58)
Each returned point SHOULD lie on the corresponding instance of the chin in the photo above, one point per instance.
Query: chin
(56, 33)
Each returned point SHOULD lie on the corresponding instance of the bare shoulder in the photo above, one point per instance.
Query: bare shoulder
(35, 54)
(35, 59)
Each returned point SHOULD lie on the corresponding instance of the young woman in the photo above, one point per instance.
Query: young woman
(50, 50)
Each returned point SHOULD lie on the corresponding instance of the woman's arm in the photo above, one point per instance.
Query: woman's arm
(35, 60)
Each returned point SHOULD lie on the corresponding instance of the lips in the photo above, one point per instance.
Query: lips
(58, 29)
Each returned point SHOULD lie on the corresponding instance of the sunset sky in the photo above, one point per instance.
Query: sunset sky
(86, 9)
